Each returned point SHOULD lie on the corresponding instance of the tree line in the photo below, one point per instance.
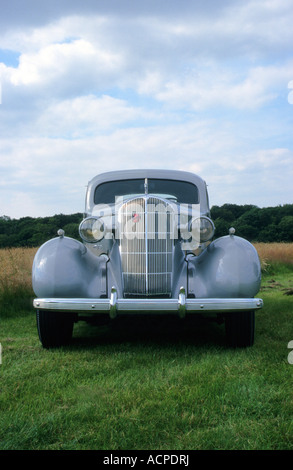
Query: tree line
(33, 232)
(268, 224)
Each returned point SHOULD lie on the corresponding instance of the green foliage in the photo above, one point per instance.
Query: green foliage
(267, 224)
(33, 232)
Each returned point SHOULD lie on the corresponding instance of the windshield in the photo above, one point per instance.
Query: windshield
(180, 191)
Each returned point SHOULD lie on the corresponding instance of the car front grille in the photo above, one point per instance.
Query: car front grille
(146, 246)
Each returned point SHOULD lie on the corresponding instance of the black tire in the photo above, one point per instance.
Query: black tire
(54, 328)
(239, 328)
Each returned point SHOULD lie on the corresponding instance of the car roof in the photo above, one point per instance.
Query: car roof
(147, 173)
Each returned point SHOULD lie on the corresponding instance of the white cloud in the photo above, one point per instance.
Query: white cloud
(68, 65)
(88, 115)
(187, 87)
(214, 86)
(153, 53)
(50, 62)
(56, 171)
(180, 63)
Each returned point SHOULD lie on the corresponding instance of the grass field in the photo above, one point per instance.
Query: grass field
(153, 385)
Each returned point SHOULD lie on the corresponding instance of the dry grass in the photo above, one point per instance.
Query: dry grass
(274, 253)
(16, 263)
(16, 268)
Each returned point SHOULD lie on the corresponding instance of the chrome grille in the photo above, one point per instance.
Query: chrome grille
(146, 246)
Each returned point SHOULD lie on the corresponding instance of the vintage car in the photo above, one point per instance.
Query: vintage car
(147, 247)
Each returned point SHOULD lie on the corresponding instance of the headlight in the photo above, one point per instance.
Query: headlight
(202, 229)
(92, 229)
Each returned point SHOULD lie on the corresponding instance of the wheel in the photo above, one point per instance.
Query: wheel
(239, 328)
(54, 328)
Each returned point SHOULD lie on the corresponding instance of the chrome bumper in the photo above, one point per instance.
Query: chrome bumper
(180, 306)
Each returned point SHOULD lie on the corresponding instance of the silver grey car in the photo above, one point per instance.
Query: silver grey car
(148, 247)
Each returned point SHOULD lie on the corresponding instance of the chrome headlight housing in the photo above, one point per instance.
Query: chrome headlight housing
(92, 229)
(202, 229)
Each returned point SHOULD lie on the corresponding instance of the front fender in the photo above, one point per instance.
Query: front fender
(228, 268)
(63, 267)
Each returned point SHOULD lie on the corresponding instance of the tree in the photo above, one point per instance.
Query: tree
(285, 228)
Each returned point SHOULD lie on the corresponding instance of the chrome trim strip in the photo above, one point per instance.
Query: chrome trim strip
(115, 306)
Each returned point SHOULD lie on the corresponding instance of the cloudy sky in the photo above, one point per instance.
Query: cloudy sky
(95, 85)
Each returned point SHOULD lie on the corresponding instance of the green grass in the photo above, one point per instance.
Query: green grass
(153, 386)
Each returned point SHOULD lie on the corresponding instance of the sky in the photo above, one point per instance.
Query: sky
(98, 85)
